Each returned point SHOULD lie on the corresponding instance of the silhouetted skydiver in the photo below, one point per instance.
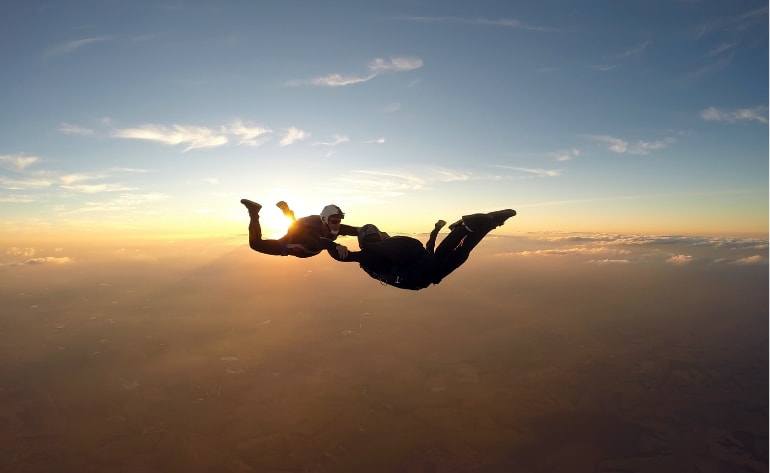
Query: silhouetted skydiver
(403, 261)
(306, 237)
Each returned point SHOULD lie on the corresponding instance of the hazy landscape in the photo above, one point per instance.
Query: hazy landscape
(544, 353)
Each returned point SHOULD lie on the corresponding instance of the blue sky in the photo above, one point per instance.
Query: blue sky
(157, 117)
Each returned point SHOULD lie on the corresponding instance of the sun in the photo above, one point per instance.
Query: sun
(274, 223)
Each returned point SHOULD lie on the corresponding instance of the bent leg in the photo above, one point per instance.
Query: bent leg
(287, 212)
(457, 246)
(256, 243)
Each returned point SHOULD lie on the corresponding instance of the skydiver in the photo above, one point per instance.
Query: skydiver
(306, 237)
(404, 262)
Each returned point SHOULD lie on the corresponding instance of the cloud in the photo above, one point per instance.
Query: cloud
(49, 260)
(24, 252)
(714, 114)
(679, 259)
(749, 260)
(722, 48)
(541, 172)
(394, 64)
(192, 137)
(375, 67)
(72, 46)
(536, 171)
(337, 139)
(25, 183)
(122, 202)
(499, 22)
(96, 188)
(620, 146)
(737, 23)
(377, 141)
(634, 51)
(581, 250)
(567, 155)
(17, 162)
(251, 135)
(69, 129)
(293, 135)
(82, 182)
(391, 183)
(16, 199)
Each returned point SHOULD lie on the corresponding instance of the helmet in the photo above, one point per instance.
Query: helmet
(330, 210)
(327, 212)
(368, 234)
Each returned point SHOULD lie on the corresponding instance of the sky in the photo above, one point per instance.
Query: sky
(151, 118)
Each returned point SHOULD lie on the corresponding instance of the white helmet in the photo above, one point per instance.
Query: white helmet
(327, 212)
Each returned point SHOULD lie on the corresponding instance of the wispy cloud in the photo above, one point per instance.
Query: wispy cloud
(97, 188)
(540, 172)
(381, 183)
(480, 21)
(50, 260)
(336, 140)
(72, 46)
(736, 23)
(85, 182)
(531, 171)
(25, 183)
(722, 48)
(122, 202)
(16, 199)
(613, 61)
(750, 260)
(192, 137)
(566, 155)
(634, 51)
(47, 260)
(620, 146)
(392, 183)
(733, 116)
(293, 135)
(17, 162)
(70, 129)
(375, 68)
(248, 134)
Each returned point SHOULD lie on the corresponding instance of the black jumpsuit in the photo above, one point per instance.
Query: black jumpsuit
(403, 261)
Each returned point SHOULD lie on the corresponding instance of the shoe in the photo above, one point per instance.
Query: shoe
(477, 221)
(285, 209)
(473, 221)
(252, 206)
(500, 216)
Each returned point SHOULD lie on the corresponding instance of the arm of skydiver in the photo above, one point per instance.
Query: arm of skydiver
(336, 250)
(348, 230)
